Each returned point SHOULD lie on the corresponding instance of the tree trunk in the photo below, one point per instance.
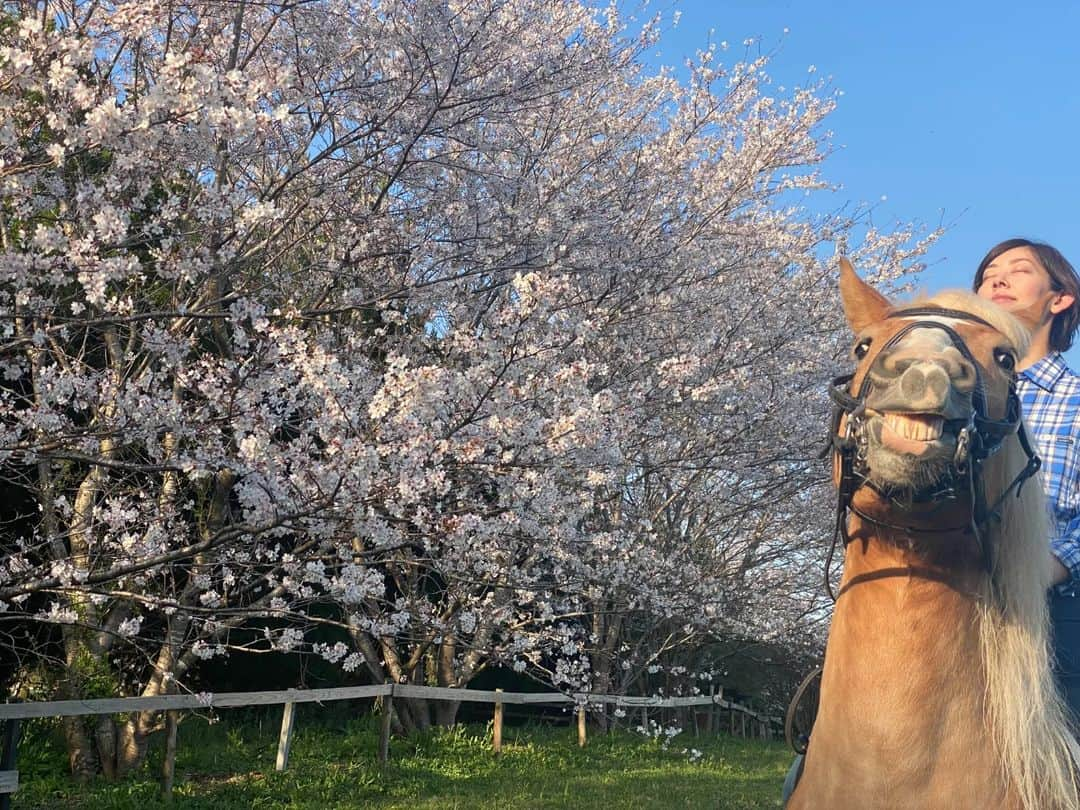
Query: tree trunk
(607, 629)
(105, 739)
(81, 758)
(133, 740)
(80, 747)
(446, 712)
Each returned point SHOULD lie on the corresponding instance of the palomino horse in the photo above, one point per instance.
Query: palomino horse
(937, 690)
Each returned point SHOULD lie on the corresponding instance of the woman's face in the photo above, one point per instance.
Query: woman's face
(1017, 281)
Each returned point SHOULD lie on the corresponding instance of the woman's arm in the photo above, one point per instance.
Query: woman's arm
(1058, 572)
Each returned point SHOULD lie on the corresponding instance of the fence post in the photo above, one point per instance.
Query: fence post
(581, 725)
(384, 734)
(718, 699)
(7, 758)
(742, 725)
(713, 709)
(168, 767)
(710, 723)
(496, 726)
(285, 738)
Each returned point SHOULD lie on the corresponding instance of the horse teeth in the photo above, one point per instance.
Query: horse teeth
(918, 427)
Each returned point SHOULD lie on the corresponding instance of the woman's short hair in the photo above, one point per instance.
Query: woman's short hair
(1063, 278)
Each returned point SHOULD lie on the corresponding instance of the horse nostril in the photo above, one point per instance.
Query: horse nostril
(938, 383)
(925, 385)
(913, 383)
(889, 365)
(965, 377)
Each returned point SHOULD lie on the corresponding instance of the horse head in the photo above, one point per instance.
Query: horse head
(930, 405)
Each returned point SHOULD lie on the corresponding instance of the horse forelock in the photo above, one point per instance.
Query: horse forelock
(1004, 322)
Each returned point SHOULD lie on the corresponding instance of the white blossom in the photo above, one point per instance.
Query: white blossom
(478, 367)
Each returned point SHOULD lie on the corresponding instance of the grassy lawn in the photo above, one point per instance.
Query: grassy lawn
(230, 764)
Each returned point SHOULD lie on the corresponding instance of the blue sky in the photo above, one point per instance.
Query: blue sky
(957, 112)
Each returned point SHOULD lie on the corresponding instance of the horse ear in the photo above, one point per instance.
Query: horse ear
(863, 305)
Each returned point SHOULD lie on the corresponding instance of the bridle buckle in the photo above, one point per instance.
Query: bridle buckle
(963, 448)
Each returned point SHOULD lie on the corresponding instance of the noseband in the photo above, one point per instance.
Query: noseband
(980, 438)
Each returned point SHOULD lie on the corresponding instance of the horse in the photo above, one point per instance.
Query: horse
(936, 690)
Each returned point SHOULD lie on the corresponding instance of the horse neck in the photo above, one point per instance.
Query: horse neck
(901, 606)
(903, 680)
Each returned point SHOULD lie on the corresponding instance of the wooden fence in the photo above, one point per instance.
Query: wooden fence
(749, 723)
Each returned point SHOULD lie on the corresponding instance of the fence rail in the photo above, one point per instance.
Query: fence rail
(11, 713)
(221, 700)
(229, 700)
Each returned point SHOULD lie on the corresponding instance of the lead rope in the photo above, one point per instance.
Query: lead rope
(829, 557)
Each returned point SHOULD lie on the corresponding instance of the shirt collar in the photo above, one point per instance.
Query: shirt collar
(1046, 372)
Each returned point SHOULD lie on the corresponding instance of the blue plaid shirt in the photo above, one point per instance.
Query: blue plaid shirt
(1050, 394)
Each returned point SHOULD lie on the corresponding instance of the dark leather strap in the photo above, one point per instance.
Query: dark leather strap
(799, 746)
(942, 312)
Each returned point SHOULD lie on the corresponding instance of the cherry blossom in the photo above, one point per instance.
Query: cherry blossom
(421, 336)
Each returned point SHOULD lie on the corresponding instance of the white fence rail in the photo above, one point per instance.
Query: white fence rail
(228, 700)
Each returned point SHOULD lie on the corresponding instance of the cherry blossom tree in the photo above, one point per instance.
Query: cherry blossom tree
(450, 326)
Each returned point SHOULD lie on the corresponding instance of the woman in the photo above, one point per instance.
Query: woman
(1035, 282)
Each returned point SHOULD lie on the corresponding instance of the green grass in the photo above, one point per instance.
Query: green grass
(230, 764)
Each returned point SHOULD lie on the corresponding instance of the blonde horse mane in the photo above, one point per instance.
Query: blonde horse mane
(1026, 716)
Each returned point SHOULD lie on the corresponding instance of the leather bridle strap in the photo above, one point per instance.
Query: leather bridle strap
(980, 438)
(799, 744)
(940, 312)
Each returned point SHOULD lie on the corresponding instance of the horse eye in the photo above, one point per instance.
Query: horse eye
(861, 348)
(1005, 359)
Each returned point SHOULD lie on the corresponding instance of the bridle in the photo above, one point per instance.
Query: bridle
(979, 438)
